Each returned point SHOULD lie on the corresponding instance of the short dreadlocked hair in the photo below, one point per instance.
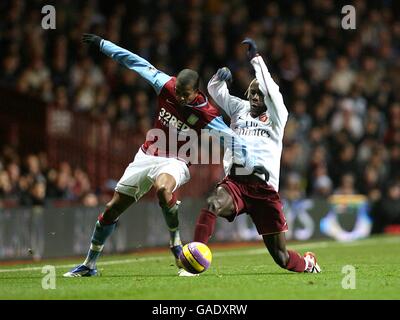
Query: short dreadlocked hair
(247, 93)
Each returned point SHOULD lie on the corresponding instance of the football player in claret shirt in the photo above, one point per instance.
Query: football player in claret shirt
(181, 106)
(260, 121)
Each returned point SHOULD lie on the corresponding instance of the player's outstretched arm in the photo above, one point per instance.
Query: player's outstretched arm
(235, 143)
(267, 85)
(218, 90)
(130, 60)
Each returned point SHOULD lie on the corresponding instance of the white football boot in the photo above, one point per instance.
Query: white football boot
(311, 263)
(183, 273)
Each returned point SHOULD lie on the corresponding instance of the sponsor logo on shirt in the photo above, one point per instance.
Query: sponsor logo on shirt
(168, 119)
(259, 132)
(252, 128)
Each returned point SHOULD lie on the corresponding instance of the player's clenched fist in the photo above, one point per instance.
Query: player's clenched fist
(252, 50)
(91, 39)
(224, 74)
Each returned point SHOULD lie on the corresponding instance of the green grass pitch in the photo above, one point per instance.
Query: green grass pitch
(235, 273)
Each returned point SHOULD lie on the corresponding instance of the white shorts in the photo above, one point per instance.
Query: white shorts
(140, 174)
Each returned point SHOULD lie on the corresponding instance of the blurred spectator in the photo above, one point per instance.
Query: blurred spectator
(371, 74)
(346, 118)
(343, 163)
(319, 66)
(322, 187)
(293, 187)
(371, 183)
(14, 174)
(347, 185)
(9, 72)
(35, 183)
(126, 115)
(386, 211)
(303, 119)
(90, 200)
(5, 184)
(81, 184)
(37, 193)
(342, 77)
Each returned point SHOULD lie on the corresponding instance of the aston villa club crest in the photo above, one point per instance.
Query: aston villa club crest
(263, 117)
(192, 119)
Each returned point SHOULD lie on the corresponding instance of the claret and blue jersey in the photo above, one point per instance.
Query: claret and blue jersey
(199, 114)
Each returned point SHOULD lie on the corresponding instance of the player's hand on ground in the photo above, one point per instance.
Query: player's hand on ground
(91, 39)
(224, 74)
(252, 49)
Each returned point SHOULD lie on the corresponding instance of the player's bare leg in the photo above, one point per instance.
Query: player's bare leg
(114, 208)
(105, 225)
(164, 185)
(220, 203)
(288, 259)
(276, 245)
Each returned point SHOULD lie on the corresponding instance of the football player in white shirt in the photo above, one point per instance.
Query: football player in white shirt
(260, 122)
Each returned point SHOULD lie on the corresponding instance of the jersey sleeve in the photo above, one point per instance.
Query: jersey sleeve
(233, 141)
(218, 90)
(272, 96)
(136, 63)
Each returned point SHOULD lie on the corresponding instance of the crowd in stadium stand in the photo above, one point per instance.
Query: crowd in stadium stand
(29, 181)
(342, 87)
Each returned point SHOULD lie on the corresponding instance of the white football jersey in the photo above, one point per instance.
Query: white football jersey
(263, 135)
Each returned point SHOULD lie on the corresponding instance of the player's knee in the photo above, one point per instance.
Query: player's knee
(163, 193)
(160, 190)
(220, 204)
(211, 208)
(218, 211)
(213, 204)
